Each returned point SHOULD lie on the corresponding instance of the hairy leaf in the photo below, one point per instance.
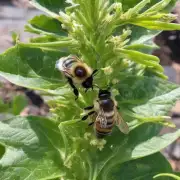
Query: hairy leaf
(157, 25)
(146, 99)
(119, 148)
(32, 152)
(33, 68)
(38, 149)
(144, 168)
(51, 6)
(137, 90)
(46, 25)
(63, 147)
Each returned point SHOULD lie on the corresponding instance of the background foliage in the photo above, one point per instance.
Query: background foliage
(116, 39)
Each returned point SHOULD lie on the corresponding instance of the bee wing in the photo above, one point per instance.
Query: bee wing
(121, 124)
(60, 66)
(102, 119)
(76, 58)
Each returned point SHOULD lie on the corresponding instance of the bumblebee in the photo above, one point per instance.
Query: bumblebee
(105, 114)
(76, 72)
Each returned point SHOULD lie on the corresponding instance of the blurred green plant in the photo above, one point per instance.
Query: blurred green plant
(14, 107)
(114, 37)
(166, 174)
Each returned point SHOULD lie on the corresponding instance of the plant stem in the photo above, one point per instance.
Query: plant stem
(59, 44)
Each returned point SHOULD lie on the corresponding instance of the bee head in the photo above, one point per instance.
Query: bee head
(88, 83)
(104, 94)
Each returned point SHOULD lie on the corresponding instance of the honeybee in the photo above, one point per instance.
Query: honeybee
(76, 72)
(106, 115)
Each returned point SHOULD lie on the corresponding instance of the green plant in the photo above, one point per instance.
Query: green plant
(114, 37)
(14, 107)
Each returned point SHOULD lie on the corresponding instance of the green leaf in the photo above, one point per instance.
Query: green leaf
(18, 104)
(140, 39)
(137, 9)
(2, 150)
(159, 6)
(43, 39)
(51, 6)
(159, 105)
(118, 149)
(137, 55)
(32, 68)
(33, 151)
(147, 49)
(177, 173)
(149, 61)
(37, 149)
(137, 90)
(141, 169)
(140, 35)
(131, 3)
(3, 107)
(157, 25)
(144, 33)
(47, 25)
(43, 149)
(147, 99)
(167, 175)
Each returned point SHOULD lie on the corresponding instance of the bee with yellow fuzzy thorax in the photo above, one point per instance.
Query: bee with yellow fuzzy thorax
(77, 72)
(105, 115)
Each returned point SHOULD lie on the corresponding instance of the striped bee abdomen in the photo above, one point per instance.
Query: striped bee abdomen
(69, 62)
(102, 132)
(105, 131)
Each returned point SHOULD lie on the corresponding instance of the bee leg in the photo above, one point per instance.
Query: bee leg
(90, 124)
(73, 87)
(89, 107)
(94, 72)
(86, 116)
